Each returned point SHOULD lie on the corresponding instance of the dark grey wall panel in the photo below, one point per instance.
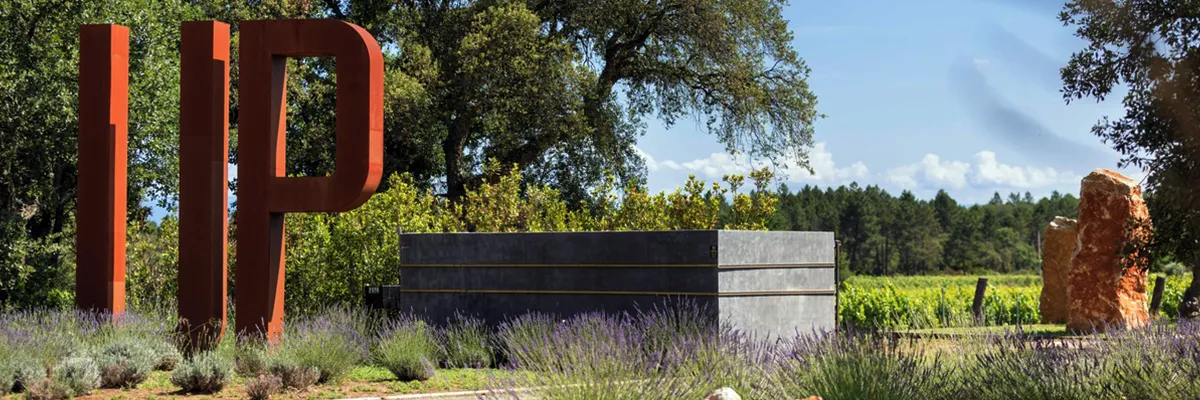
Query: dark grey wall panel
(761, 282)
(775, 247)
(494, 309)
(666, 247)
(635, 279)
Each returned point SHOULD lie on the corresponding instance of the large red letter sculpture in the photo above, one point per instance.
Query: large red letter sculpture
(203, 179)
(103, 120)
(265, 193)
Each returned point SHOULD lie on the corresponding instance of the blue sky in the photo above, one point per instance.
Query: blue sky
(921, 95)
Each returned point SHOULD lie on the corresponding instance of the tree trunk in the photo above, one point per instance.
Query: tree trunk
(1189, 308)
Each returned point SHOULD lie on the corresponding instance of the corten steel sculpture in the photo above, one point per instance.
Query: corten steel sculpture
(265, 192)
(203, 179)
(103, 152)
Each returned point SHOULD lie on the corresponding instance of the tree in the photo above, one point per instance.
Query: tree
(539, 83)
(39, 41)
(1150, 47)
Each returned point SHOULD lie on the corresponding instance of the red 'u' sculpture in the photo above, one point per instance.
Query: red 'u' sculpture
(264, 194)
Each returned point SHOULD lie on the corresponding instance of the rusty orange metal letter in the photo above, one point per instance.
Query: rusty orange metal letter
(103, 152)
(203, 179)
(265, 193)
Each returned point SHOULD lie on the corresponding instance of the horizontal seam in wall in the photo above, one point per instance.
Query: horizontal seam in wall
(737, 266)
(827, 292)
(714, 265)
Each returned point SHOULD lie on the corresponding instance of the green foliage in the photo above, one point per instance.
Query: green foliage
(26, 371)
(125, 363)
(48, 389)
(80, 375)
(262, 386)
(408, 350)
(8, 374)
(466, 343)
(205, 373)
(251, 359)
(332, 340)
(940, 301)
(293, 373)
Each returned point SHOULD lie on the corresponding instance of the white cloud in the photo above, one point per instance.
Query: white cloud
(932, 172)
(651, 165)
(824, 168)
(988, 171)
(980, 62)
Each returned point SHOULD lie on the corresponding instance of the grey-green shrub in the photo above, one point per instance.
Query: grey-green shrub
(262, 386)
(205, 373)
(294, 374)
(166, 355)
(465, 343)
(407, 349)
(250, 359)
(79, 375)
(125, 363)
(331, 340)
(7, 376)
(48, 389)
(26, 371)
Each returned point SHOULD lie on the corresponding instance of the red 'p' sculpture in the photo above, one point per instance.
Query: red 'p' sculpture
(265, 192)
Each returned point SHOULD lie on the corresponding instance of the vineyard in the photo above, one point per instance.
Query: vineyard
(916, 302)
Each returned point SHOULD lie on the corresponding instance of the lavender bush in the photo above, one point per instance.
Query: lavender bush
(333, 341)
(80, 375)
(466, 343)
(206, 372)
(860, 366)
(408, 349)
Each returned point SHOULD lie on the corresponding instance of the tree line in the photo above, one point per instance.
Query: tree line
(885, 234)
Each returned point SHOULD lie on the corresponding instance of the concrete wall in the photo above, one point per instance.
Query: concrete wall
(769, 282)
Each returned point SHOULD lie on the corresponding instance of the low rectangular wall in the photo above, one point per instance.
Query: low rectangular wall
(768, 283)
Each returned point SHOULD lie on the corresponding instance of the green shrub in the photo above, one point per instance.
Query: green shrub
(407, 350)
(125, 363)
(26, 371)
(80, 375)
(8, 374)
(465, 343)
(262, 386)
(48, 389)
(332, 340)
(251, 359)
(294, 374)
(167, 356)
(523, 340)
(205, 373)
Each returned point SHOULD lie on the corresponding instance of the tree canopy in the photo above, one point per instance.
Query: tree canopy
(1151, 48)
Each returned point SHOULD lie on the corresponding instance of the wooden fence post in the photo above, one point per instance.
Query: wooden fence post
(977, 306)
(1156, 300)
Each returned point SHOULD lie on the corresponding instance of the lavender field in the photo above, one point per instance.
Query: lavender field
(656, 354)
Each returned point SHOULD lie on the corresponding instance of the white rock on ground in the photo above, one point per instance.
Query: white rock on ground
(724, 393)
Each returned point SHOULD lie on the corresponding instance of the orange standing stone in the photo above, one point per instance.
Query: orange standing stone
(1107, 289)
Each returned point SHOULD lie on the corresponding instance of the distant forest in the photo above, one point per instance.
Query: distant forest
(882, 234)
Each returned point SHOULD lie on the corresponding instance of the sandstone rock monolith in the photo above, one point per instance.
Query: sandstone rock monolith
(1106, 284)
(1058, 248)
